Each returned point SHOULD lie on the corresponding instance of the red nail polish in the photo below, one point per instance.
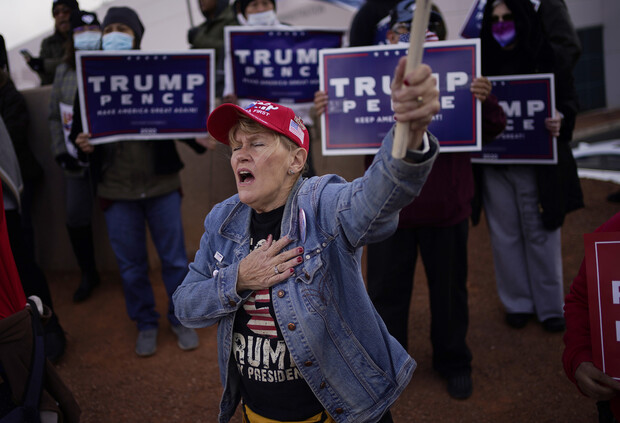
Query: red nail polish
(300, 250)
(406, 82)
(292, 270)
(299, 259)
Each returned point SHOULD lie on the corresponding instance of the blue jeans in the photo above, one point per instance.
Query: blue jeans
(127, 232)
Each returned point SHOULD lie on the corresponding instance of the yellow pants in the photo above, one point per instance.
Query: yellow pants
(250, 416)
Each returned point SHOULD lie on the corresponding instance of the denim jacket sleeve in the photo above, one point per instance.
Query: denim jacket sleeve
(367, 208)
(209, 292)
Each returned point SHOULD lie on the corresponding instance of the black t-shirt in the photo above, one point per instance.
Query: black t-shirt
(271, 384)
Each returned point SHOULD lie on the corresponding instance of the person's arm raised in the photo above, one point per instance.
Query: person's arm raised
(415, 100)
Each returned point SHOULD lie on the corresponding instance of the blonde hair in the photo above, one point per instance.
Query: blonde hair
(251, 127)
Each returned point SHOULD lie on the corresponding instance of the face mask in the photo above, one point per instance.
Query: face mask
(430, 36)
(504, 32)
(117, 41)
(267, 18)
(404, 38)
(89, 40)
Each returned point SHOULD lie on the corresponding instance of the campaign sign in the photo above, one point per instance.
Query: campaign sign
(359, 112)
(527, 101)
(137, 95)
(602, 250)
(267, 63)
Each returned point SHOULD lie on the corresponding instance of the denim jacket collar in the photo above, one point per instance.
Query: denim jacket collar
(235, 226)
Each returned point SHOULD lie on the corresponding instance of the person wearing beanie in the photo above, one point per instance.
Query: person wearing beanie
(71, 4)
(139, 185)
(121, 20)
(53, 47)
(85, 34)
(257, 12)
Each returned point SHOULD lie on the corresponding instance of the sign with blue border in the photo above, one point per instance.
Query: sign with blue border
(275, 64)
(359, 111)
(140, 95)
(527, 101)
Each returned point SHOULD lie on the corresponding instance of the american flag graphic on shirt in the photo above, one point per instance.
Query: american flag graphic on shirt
(257, 307)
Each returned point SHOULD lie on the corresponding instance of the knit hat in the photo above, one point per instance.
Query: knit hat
(276, 117)
(82, 18)
(243, 4)
(127, 16)
(71, 4)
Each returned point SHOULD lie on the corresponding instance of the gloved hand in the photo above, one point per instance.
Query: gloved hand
(35, 64)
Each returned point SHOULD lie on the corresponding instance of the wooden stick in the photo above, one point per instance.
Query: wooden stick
(419, 23)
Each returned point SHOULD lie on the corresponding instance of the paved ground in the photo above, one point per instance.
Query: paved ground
(517, 374)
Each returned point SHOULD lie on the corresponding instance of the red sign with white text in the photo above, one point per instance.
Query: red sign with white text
(602, 254)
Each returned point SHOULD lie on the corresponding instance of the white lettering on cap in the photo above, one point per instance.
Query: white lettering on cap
(263, 105)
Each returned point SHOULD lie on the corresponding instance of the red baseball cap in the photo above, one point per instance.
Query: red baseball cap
(270, 115)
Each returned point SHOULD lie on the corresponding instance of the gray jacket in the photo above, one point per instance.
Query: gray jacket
(10, 173)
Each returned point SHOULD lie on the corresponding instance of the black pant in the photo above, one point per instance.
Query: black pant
(391, 266)
(32, 277)
(387, 418)
(604, 412)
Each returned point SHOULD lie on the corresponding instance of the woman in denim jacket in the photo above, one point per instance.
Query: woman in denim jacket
(279, 267)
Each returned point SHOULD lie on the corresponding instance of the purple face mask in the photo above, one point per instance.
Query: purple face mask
(504, 32)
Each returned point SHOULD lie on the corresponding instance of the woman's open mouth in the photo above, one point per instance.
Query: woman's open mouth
(245, 176)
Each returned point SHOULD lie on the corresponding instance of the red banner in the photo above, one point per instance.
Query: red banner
(602, 253)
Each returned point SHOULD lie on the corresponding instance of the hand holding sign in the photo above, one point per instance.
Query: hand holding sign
(554, 123)
(415, 115)
(83, 141)
(481, 88)
(594, 383)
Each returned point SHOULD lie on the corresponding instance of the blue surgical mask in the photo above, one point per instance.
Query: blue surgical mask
(88, 40)
(504, 32)
(117, 41)
(267, 18)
